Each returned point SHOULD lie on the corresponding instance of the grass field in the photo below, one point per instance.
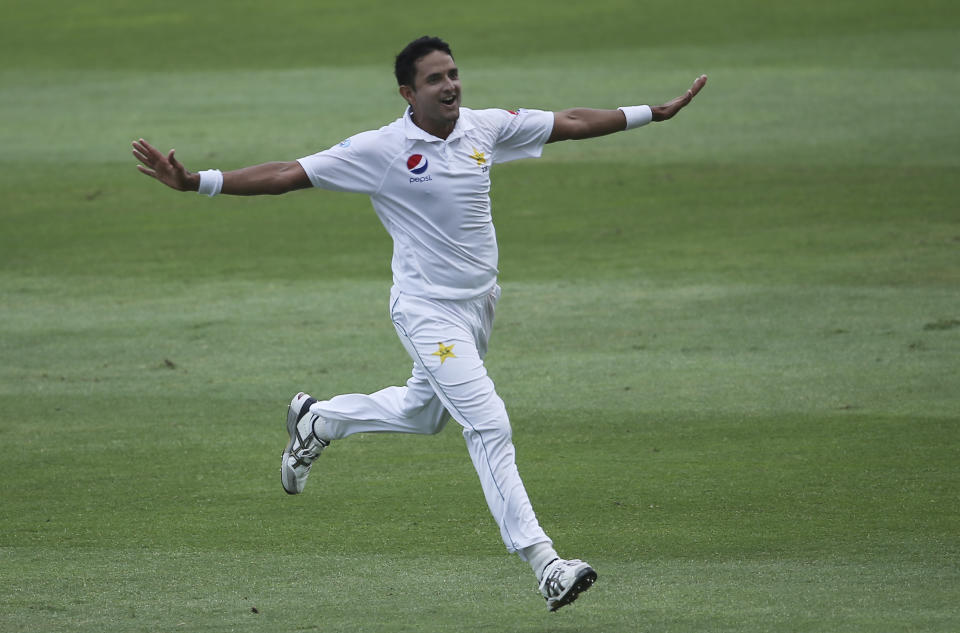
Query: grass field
(729, 344)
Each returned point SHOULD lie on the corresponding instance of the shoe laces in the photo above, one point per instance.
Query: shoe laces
(551, 584)
(307, 449)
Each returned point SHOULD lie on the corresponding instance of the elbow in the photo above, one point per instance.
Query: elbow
(576, 128)
(581, 123)
(289, 177)
(572, 127)
(566, 128)
(276, 188)
(581, 131)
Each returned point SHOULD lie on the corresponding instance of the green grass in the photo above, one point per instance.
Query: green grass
(739, 332)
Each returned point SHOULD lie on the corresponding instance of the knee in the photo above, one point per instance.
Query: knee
(439, 424)
(492, 427)
(428, 414)
(478, 408)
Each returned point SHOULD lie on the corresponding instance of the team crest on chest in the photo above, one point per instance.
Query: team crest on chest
(481, 159)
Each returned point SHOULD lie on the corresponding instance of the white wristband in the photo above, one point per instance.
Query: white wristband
(211, 182)
(636, 115)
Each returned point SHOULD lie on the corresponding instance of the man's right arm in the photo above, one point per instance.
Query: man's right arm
(265, 179)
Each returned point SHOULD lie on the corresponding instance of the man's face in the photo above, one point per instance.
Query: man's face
(435, 95)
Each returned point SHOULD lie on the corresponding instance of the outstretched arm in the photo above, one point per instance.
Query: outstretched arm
(579, 123)
(268, 178)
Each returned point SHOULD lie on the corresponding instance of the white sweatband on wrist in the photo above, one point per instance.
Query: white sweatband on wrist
(211, 182)
(636, 115)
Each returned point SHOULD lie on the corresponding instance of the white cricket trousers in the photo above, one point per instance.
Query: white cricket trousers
(447, 341)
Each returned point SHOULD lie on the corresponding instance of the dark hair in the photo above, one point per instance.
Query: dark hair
(405, 67)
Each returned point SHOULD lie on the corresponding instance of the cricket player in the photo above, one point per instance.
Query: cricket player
(428, 177)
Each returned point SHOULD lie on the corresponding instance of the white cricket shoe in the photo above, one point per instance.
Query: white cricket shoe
(304, 445)
(564, 580)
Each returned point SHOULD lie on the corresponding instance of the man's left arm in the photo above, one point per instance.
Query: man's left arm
(579, 123)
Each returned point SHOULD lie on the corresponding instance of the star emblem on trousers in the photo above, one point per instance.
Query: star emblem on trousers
(444, 352)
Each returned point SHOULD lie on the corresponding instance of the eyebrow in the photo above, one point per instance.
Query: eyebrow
(441, 74)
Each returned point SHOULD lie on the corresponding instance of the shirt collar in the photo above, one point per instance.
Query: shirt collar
(415, 132)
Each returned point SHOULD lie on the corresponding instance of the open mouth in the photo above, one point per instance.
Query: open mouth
(449, 101)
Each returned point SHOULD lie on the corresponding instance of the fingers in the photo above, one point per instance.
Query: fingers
(146, 153)
(670, 109)
(154, 163)
(143, 158)
(138, 153)
(147, 149)
(699, 83)
(153, 160)
(173, 161)
(148, 172)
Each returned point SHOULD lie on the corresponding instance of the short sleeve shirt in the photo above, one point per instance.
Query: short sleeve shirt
(433, 195)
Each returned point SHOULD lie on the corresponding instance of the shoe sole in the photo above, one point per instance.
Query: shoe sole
(584, 581)
(293, 419)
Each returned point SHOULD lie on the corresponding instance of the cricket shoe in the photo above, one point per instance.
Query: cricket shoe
(564, 580)
(304, 446)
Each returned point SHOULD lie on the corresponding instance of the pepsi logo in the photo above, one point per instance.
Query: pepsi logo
(417, 164)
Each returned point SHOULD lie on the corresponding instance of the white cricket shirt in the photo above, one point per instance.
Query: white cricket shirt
(433, 194)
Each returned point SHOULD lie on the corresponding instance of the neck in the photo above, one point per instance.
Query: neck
(441, 130)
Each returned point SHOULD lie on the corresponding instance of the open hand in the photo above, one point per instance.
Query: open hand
(669, 109)
(164, 167)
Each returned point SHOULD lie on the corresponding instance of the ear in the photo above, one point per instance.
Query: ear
(407, 93)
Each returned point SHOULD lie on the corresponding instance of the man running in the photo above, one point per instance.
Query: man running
(428, 177)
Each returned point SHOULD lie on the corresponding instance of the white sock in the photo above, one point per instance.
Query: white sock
(320, 425)
(539, 555)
